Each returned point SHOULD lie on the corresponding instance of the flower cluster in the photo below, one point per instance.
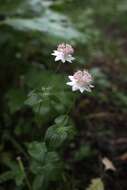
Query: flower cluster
(64, 53)
(80, 80)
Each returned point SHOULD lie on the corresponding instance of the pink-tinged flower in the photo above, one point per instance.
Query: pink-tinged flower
(81, 80)
(64, 53)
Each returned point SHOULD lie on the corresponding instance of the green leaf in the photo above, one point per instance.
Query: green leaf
(50, 97)
(44, 164)
(42, 80)
(96, 184)
(50, 23)
(14, 173)
(33, 99)
(63, 119)
(39, 182)
(56, 135)
(37, 150)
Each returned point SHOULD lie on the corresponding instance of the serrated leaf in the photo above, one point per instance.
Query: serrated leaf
(50, 97)
(56, 135)
(41, 80)
(37, 150)
(46, 164)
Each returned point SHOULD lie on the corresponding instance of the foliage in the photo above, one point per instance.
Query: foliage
(14, 173)
(45, 164)
(58, 134)
(62, 131)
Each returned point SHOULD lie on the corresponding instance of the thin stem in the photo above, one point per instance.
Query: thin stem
(73, 102)
(16, 145)
(68, 111)
(24, 173)
(58, 67)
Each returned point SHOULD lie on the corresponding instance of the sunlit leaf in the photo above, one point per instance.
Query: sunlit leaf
(96, 184)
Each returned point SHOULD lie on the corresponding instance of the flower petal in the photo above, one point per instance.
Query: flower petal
(69, 58)
(74, 88)
(55, 53)
(57, 58)
(91, 86)
(71, 78)
(87, 88)
(81, 89)
(70, 83)
(63, 59)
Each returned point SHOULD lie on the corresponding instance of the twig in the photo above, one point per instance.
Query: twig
(99, 115)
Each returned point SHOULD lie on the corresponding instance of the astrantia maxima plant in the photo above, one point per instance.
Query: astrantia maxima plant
(64, 53)
(81, 80)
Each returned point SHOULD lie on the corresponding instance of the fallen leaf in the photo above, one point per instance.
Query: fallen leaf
(123, 156)
(108, 164)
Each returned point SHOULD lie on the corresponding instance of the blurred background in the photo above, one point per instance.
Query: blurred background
(29, 31)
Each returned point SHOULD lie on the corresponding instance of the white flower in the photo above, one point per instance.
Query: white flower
(64, 53)
(81, 80)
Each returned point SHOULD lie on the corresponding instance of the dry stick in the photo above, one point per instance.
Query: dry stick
(99, 115)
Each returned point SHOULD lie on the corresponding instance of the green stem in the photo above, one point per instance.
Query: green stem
(73, 102)
(58, 67)
(16, 145)
(24, 173)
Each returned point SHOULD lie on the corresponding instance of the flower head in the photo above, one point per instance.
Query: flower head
(81, 80)
(64, 53)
